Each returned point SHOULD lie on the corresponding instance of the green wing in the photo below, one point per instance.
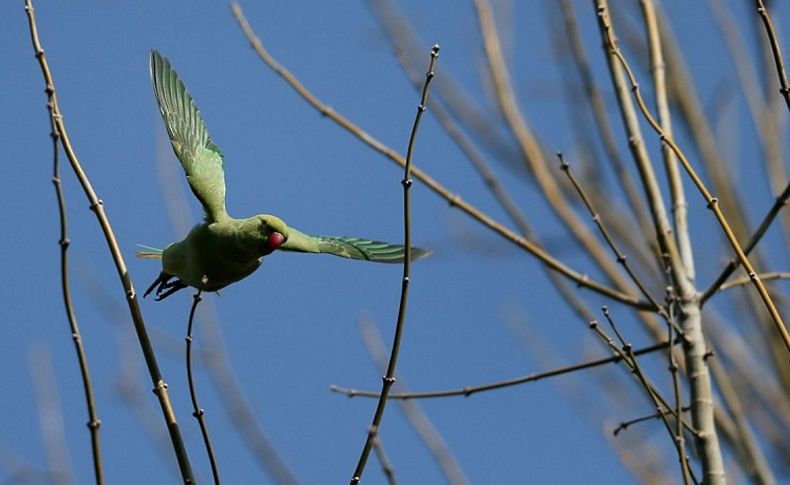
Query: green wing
(201, 158)
(349, 247)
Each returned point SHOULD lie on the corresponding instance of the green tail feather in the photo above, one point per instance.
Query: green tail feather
(149, 252)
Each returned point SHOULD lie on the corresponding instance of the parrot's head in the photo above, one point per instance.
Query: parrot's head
(273, 230)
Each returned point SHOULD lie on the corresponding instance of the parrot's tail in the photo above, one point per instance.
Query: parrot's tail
(148, 252)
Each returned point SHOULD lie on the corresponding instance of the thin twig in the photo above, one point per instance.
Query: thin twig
(454, 199)
(766, 124)
(627, 355)
(779, 203)
(621, 258)
(674, 180)
(776, 50)
(745, 280)
(469, 390)
(447, 90)
(662, 407)
(679, 211)
(624, 425)
(712, 202)
(598, 107)
(533, 155)
(689, 106)
(389, 377)
(198, 412)
(97, 206)
(64, 242)
(486, 173)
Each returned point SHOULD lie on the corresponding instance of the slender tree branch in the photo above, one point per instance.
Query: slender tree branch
(621, 258)
(696, 350)
(94, 423)
(469, 390)
(769, 218)
(662, 407)
(674, 180)
(97, 206)
(745, 280)
(389, 377)
(711, 201)
(198, 412)
(532, 153)
(776, 50)
(454, 199)
(766, 123)
(626, 424)
(683, 93)
(598, 107)
(626, 356)
(679, 211)
(447, 90)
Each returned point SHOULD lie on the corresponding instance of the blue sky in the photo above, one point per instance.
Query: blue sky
(290, 329)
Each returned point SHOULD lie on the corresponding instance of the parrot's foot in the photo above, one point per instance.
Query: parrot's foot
(166, 287)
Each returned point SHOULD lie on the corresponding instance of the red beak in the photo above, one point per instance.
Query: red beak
(274, 241)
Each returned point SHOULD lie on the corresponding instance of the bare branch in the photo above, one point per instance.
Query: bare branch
(97, 206)
(454, 199)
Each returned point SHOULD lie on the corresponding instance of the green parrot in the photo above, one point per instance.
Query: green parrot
(222, 248)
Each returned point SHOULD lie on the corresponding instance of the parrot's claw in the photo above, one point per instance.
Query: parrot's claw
(165, 287)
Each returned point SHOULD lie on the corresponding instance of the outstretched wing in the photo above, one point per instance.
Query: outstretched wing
(349, 247)
(201, 158)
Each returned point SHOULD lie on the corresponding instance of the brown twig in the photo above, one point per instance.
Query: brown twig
(695, 350)
(769, 218)
(776, 50)
(598, 107)
(454, 199)
(619, 256)
(745, 280)
(662, 407)
(197, 411)
(624, 425)
(470, 390)
(389, 377)
(447, 90)
(680, 220)
(97, 206)
(712, 202)
(64, 242)
(532, 154)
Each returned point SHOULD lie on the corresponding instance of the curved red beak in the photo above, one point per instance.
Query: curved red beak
(274, 241)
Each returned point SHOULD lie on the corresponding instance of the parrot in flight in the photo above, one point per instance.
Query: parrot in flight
(223, 249)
